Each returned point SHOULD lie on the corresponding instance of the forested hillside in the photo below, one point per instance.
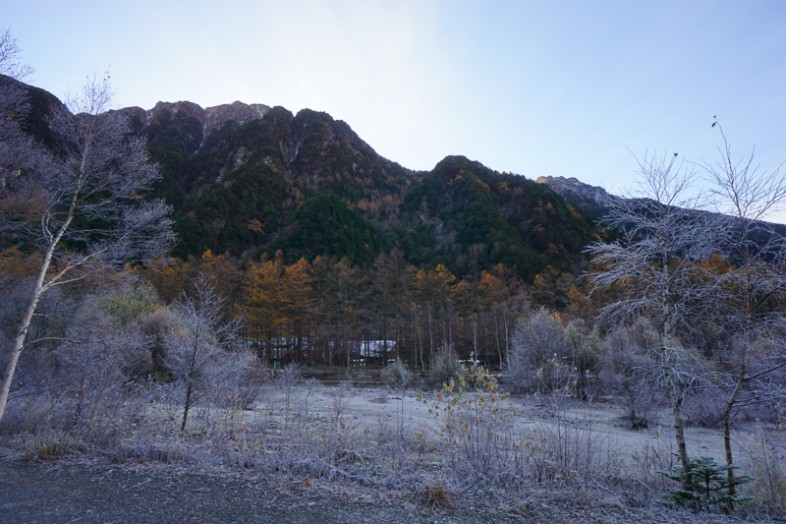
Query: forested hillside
(321, 243)
(307, 185)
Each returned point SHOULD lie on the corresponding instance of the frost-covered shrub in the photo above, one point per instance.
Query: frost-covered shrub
(629, 371)
(538, 358)
(445, 365)
(397, 376)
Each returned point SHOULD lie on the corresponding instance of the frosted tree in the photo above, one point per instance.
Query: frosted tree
(80, 204)
(650, 268)
(200, 350)
(752, 285)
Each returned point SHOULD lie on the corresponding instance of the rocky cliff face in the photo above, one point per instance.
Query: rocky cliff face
(196, 122)
(592, 199)
(237, 112)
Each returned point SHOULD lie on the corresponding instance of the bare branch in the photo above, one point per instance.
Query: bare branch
(10, 57)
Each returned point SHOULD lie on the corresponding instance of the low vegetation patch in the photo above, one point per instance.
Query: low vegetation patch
(468, 443)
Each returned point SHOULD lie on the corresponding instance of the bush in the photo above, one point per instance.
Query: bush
(477, 445)
(629, 372)
(397, 376)
(538, 354)
(437, 495)
(445, 366)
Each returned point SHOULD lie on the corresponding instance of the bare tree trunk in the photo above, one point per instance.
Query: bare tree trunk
(731, 489)
(507, 338)
(186, 405)
(727, 410)
(420, 346)
(192, 366)
(10, 369)
(24, 328)
(38, 290)
(679, 435)
(475, 351)
(430, 336)
(398, 336)
(496, 337)
(677, 399)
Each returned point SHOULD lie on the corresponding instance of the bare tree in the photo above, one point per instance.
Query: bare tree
(652, 267)
(754, 279)
(82, 206)
(10, 60)
(200, 350)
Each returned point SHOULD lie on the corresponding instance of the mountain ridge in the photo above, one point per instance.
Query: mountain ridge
(250, 179)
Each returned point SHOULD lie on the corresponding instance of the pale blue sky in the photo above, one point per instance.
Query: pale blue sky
(570, 88)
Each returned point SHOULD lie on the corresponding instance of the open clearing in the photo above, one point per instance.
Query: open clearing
(369, 409)
(87, 490)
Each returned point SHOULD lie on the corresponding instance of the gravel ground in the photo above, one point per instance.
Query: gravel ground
(79, 493)
(72, 492)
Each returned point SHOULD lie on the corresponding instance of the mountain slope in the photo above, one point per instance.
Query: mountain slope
(470, 217)
(251, 178)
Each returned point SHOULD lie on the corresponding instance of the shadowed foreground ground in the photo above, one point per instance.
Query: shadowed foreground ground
(65, 492)
(73, 493)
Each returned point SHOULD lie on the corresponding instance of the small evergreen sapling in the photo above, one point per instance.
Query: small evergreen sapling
(709, 485)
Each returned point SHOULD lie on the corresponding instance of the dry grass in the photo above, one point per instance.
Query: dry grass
(765, 460)
(471, 454)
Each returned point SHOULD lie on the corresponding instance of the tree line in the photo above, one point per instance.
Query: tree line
(326, 311)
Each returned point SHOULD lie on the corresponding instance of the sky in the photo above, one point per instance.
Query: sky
(563, 88)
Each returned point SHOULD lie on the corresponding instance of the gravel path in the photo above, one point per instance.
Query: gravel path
(87, 494)
(77, 493)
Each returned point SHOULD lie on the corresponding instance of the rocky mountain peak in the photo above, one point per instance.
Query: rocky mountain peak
(171, 110)
(237, 112)
(209, 119)
(577, 192)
